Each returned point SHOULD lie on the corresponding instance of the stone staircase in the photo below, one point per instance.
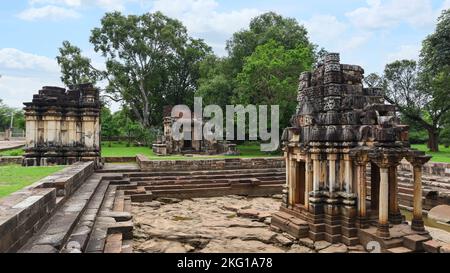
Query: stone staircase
(147, 186)
(436, 190)
(97, 218)
(91, 220)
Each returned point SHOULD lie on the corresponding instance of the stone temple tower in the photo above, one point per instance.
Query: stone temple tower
(63, 126)
(339, 132)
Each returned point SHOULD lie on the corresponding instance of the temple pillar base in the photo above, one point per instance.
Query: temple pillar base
(383, 230)
(362, 222)
(396, 218)
(417, 225)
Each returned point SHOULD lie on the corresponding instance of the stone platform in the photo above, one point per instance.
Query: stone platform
(82, 210)
(9, 145)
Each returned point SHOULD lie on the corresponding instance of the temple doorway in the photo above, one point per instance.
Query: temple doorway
(300, 184)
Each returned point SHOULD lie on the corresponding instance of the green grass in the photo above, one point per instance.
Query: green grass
(442, 156)
(247, 150)
(14, 152)
(15, 177)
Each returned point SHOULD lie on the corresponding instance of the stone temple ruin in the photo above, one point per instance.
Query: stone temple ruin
(63, 126)
(339, 131)
(167, 145)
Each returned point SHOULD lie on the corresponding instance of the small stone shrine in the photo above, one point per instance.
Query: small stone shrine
(340, 131)
(167, 145)
(63, 126)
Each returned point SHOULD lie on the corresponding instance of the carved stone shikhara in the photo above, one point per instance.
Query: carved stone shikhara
(339, 129)
(63, 126)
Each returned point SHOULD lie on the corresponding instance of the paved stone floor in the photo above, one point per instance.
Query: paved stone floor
(6, 145)
(211, 225)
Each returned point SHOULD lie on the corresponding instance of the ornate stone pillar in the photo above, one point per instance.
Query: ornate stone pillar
(348, 174)
(316, 172)
(332, 172)
(383, 211)
(362, 160)
(308, 180)
(417, 162)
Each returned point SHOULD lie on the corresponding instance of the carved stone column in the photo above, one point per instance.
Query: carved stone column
(308, 180)
(348, 174)
(383, 211)
(361, 159)
(316, 172)
(417, 162)
(332, 172)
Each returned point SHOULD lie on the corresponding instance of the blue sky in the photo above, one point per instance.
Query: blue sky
(369, 33)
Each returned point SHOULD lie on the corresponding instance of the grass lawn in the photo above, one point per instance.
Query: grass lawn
(120, 150)
(14, 152)
(15, 177)
(442, 156)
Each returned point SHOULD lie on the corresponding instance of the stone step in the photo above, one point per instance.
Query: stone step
(78, 240)
(206, 176)
(209, 172)
(53, 236)
(98, 237)
(119, 168)
(113, 223)
(400, 249)
(209, 181)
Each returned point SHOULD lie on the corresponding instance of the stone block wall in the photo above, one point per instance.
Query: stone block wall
(209, 164)
(24, 212)
(9, 160)
(432, 168)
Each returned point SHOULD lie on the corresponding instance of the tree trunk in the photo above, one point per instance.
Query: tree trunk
(433, 140)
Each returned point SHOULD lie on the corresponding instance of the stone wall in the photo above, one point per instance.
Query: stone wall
(209, 164)
(440, 169)
(10, 160)
(24, 212)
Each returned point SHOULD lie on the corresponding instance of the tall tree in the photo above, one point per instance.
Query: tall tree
(215, 85)
(270, 77)
(268, 26)
(435, 76)
(420, 98)
(151, 62)
(75, 68)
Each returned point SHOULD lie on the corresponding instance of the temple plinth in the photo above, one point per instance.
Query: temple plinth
(340, 132)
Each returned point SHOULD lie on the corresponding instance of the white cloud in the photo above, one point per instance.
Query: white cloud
(63, 9)
(324, 28)
(14, 90)
(201, 16)
(11, 58)
(405, 52)
(202, 19)
(446, 4)
(71, 3)
(355, 42)
(379, 15)
(48, 12)
(23, 74)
